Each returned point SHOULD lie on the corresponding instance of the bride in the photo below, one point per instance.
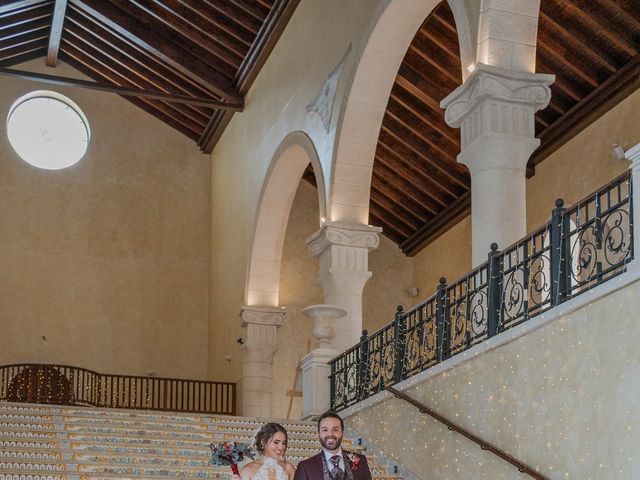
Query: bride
(271, 444)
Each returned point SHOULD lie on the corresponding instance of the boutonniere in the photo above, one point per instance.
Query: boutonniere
(354, 460)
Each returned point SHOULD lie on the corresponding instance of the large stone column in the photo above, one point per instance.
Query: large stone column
(495, 111)
(316, 388)
(260, 325)
(343, 252)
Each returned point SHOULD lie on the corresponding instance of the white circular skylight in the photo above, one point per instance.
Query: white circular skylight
(48, 130)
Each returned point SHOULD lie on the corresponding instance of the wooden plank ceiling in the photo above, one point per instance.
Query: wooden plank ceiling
(213, 49)
(207, 49)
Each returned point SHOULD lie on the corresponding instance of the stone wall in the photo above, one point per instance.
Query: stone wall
(105, 265)
(562, 399)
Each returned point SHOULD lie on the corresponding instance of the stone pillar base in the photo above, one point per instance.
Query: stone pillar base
(315, 382)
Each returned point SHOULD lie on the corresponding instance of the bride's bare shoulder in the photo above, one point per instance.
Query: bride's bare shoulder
(289, 467)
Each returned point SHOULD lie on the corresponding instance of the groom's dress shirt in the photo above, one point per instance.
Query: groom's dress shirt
(328, 455)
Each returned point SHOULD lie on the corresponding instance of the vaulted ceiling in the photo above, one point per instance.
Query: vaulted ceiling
(202, 55)
(190, 63)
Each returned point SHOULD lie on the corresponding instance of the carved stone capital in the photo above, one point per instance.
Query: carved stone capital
(496, 83)
(255, 315)
(260, 325)
(343, 235)
(496, 100)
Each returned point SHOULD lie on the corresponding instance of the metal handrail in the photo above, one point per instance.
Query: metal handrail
(69, 385)
(522, 468)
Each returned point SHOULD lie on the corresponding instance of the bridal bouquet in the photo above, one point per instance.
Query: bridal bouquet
(230, 454)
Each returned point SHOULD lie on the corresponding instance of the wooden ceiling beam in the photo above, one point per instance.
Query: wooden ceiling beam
(39, 25)
(233, 14)
(264, 42)
(399, 210)
(127, 92)
(576, 9)
(254, 9)
(389, 230)
(171, 24)
(445, 161)
(401, 193)
(9, 7)
(399, 226)
(628, 21)
(408, 184)
(591, 107)
(547, 50)
(451, 184)
(179, 59)
(136, 59)
(423, 131)
(266, 39)
(411, 174)
(426, 121)
(436, 122)
(164, 112)
(35, 36)
(211, 20)
(431, 60)
(57, 24)
(26, 53)
(94, 59)
(19, 20)
(457, 211)
(420, 94)
(579, 38)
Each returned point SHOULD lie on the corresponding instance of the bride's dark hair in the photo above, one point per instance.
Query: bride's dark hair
(266, 433)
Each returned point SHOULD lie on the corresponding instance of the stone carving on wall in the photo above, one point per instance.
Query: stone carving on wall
(323, 104)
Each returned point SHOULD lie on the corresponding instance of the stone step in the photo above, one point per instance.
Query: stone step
(244, 423)
(127, 469)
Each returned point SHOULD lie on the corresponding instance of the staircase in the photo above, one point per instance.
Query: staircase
(47, 442)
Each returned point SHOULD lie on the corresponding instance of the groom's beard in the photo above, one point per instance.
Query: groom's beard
(331, 442)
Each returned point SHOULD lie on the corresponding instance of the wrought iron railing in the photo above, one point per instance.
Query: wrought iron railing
(582, 246)
(65, 385)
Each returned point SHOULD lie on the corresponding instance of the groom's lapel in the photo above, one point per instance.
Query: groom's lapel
(347, 466)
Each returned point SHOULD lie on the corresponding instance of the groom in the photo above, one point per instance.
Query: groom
(333, 463)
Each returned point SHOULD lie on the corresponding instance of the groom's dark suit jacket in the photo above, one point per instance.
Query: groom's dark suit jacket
(311, 468)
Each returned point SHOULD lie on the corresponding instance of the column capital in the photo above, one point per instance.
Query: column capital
(343, 235)
(633, 155)
(496, 100)
(257, 315)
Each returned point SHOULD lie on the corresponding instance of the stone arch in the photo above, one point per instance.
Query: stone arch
(287, 166)
(364, 107)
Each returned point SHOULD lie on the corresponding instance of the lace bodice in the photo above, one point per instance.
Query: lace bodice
(269, 463)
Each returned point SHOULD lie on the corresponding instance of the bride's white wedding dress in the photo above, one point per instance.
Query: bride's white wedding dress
(269, 463)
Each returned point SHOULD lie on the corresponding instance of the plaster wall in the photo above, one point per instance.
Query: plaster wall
(105, 265)
(299, 289)
(312, 45)
(584, 163)
(562, 398)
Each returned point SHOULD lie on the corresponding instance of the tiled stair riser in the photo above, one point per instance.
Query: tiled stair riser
(90, 444)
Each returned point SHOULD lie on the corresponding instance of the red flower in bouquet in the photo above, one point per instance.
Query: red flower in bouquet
(230, 454)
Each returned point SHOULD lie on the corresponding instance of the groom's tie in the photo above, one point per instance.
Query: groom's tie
(337, 472)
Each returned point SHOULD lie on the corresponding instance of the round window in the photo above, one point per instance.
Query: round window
(48, 130)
